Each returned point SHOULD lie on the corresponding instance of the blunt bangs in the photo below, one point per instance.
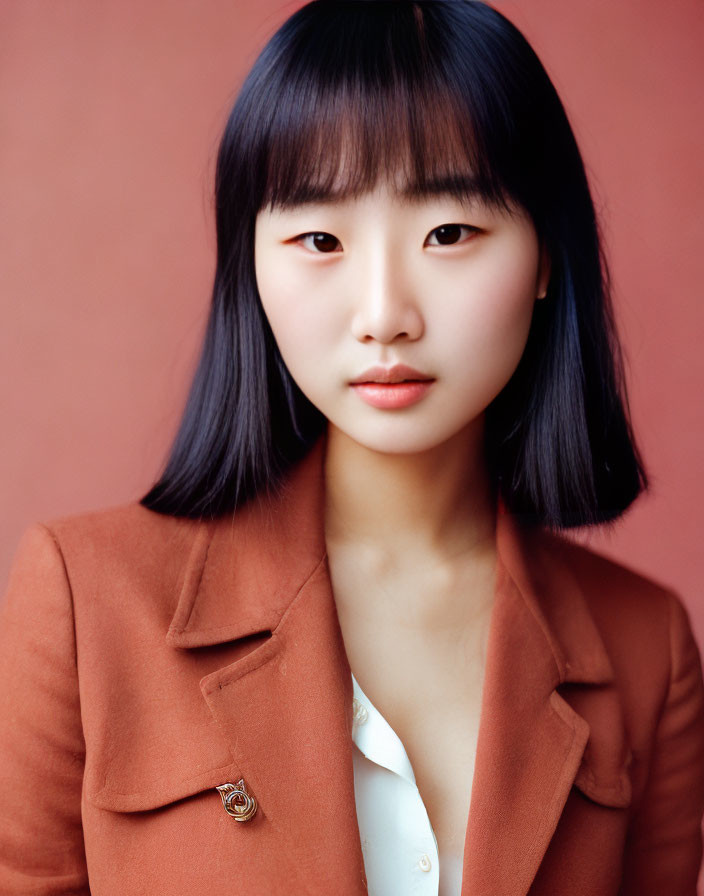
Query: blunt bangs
(437, 97)
(384, 99)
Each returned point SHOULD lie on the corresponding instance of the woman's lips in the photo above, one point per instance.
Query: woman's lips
(398, 373)
(392, 395)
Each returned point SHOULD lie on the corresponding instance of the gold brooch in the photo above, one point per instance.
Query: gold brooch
(237, 801)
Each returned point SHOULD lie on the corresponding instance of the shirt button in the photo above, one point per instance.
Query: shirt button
(360, 712)
(424, 863)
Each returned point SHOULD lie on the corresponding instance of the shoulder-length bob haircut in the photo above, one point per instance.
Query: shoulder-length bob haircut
(450, 93)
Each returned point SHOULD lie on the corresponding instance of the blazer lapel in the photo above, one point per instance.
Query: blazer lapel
(285, 707)
(532, 744)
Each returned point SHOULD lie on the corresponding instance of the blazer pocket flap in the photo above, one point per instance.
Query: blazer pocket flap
(610, 787)
(164, 791)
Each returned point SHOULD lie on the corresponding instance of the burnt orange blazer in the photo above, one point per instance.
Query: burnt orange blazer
(145, 660)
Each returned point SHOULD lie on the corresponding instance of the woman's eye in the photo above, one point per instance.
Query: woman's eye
(319, 241)
(325, 243)
(449, 234)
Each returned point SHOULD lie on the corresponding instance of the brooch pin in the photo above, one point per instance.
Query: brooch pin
(238, 803)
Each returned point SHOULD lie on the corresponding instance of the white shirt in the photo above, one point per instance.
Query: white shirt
(398, 842)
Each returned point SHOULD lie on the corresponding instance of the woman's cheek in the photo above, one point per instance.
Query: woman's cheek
(289, 300)
(507, 296)
(486, 328)
(487, 308)
(306, 330)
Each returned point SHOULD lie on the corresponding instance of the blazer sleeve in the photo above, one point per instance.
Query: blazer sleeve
(664, 846)
(41, 740)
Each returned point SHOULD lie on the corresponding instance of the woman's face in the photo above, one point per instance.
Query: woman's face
(441, 286)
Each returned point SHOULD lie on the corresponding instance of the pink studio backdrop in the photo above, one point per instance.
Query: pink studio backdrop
(111, 114)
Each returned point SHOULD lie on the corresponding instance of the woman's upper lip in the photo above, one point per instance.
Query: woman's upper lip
(396, 374)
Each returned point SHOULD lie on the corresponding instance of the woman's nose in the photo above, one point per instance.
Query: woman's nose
(385, 303)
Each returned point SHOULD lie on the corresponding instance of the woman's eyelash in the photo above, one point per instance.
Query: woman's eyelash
(443, 227)
(451, 228)
(312, 233)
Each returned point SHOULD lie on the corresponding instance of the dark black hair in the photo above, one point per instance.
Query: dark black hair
(452, 91)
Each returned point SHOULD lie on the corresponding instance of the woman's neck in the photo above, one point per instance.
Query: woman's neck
(437, 501)
(410, 526)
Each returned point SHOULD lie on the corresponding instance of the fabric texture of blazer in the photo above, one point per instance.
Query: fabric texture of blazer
(147, 659)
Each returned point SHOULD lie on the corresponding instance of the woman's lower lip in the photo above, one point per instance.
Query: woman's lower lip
(392, 395)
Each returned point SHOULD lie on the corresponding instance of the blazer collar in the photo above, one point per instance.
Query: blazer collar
(285, 708)
(244, 571)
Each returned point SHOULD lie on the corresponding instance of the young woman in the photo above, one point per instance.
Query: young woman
(342, 646)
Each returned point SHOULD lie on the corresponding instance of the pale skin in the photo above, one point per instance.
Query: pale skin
(409, 521)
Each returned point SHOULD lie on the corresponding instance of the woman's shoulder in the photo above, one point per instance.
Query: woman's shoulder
(120, 540)
(643, 621)
(599, 573)
(122, 530)
(106, 555)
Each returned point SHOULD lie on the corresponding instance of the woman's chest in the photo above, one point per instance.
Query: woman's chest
(430, 696)
(437, 723)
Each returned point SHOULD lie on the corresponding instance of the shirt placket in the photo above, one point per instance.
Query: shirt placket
(398, 841)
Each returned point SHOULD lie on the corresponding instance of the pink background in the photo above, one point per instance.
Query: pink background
(111, 114)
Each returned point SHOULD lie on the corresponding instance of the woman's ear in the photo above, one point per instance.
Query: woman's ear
(544, 267)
